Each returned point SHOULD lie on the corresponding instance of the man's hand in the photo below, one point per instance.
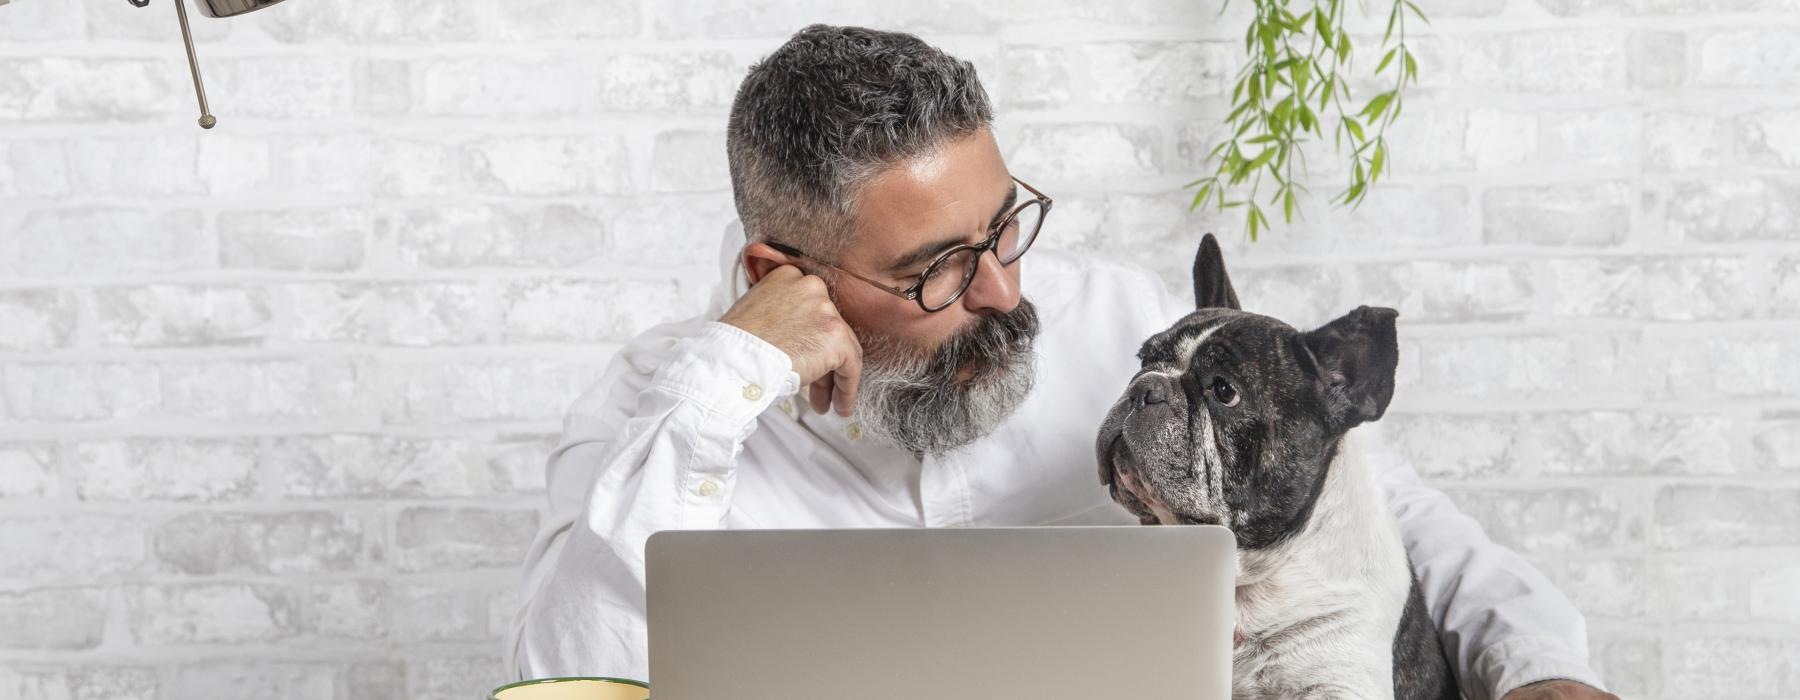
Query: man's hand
(1558, 690)
(792, 311)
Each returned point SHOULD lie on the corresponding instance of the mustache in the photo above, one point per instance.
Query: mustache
(990, 341)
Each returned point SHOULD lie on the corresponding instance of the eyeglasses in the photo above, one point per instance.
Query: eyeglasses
(951, 273)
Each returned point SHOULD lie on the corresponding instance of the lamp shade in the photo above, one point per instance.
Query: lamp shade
(231, 8)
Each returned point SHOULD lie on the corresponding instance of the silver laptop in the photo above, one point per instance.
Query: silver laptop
(1051, 613)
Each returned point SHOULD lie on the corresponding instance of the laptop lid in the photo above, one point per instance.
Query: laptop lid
(1049, 613)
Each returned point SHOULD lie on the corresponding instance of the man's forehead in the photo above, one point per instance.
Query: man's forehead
(950, 191)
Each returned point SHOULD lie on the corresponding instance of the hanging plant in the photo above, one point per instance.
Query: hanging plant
(1294, 88)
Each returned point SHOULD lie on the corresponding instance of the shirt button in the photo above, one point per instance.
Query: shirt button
(708, 488)
(855, 431)
(787, 406)
(752, 392)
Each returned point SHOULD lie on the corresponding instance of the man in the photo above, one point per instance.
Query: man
(884, 281)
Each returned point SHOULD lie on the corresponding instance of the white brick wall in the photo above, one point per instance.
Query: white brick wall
(274, 399)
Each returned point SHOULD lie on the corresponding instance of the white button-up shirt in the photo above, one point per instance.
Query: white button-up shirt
(696, 425)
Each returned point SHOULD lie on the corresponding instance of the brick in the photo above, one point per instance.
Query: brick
(1588, 214)
(167, 315)
(1716, 666)
(1499, 138)
(516, 462)
(1733, 209)
(53, 618)
(689, 160)
(349, 22)
(286, 87)
(231, 390)
(1515, 367)
(1687, 141)
(1589, 8)
(1435, 137)
(1631, 666)
(69, 89)
(255, 678)
(207, 612)
(310, 240)
(1083, 151)
(78, 680)
(61, 548)
(372, 680)
(538, 20)
(1776, 444)
(212, 543)
(451, 677)
(1770, 138)
(39, 21)
(33, 169)
(1709, 587)
(160, 166)
(384, 87)
(419, 314)
(1426, 291)
(431, 613)
(1687, 288)
(413, 167)
(1610, 140)
(373, 466)
(492, 86)
(668, 82)
(345, 610)
(573, 310)
(444, 392)
(459, 539)
(174, 469)
(30, 471)
(1719, 366)
(777, 20)
(1551, 61)
(549, 165)
(1602, 588)
(103, 240)
(1767, 57)
(1142, 73)
(1659, 59)
(1773, 595)
(673, 230)
(472, 235)
(1703, 516)
(37, 319)
(1786, 301)
(1306, 296)
(80, 392)
(1585, 443)
(334, 165)
(1549, 519)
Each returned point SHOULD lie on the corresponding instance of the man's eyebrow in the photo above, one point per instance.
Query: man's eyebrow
(929, 251)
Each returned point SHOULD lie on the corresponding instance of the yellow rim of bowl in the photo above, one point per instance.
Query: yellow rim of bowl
(495, 693)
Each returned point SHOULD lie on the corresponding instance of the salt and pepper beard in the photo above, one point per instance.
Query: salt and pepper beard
(915, 399)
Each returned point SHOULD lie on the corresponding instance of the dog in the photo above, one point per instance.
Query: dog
(1240, 420)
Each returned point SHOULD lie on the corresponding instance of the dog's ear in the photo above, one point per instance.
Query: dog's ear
(1212, 288)
(1353, 360)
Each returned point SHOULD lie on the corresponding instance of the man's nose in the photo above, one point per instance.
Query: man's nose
(993, 289)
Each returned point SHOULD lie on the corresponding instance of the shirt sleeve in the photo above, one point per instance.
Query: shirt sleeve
(1503, 623)
(652, 446)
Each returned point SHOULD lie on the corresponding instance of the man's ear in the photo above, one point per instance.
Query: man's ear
(1353, 360)
(760, 259)
(1212, 287)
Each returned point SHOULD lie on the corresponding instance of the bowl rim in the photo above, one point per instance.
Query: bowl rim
(495, 693)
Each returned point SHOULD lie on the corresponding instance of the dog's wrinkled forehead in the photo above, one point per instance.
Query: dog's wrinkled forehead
(1237, 334)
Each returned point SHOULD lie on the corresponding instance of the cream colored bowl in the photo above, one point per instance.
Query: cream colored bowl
(572, 689)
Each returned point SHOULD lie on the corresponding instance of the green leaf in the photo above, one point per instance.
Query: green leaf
(1379, 158)
(1355, 128)
(1326, 98)
(1377, 105)
(1262, 158)
(1416, 11)
(1385, 60)
(1287, 205)
(1412, 68)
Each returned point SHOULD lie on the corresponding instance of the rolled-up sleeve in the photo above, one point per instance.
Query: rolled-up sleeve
(1503, 623)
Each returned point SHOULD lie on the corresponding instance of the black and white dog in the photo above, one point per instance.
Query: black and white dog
(1240, 420)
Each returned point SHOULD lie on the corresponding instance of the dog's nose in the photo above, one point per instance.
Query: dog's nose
(1147, 393)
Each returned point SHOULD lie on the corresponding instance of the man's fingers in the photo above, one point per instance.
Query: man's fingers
(820, 397)
(849, 375)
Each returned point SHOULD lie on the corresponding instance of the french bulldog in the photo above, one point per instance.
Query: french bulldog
(1240, 420)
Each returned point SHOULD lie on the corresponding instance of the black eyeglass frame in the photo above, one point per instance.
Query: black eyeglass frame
(915, 293)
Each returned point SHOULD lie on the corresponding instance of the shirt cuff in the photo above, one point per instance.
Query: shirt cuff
(1518, 662)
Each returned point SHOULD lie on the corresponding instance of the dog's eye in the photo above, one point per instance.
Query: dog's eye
(1223, 392)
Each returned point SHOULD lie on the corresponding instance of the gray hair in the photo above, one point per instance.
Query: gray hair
(831, 108)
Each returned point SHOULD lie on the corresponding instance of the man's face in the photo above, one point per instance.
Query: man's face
(937, 381)
(909, 214)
